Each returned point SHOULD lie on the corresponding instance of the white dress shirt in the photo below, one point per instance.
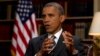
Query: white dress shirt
(57, 35)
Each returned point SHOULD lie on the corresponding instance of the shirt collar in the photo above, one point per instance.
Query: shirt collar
(57, 35)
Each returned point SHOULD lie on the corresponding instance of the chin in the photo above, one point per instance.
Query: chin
(49, 31)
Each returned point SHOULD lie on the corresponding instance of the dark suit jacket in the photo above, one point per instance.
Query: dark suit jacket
(60, 49)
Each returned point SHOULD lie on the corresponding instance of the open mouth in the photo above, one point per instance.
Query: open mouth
(47, 26)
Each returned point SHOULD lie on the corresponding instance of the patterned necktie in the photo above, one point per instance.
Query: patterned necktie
(50, 53)
(53, 38)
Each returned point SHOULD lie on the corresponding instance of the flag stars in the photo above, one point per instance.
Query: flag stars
(18, 9)
(19, 5)
(30, 2)
(25, 6)
(23, 19)
(20, 14)
(30, 6)
(27, 15)
(23, 2)
(22, 6)
(21, 10)
(28, 11)
(25, 10)
(26, 2)
(23, 14)
(19, 1)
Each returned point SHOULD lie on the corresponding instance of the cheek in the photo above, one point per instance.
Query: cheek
(56, 23)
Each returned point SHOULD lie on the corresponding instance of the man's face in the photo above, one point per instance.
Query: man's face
(52, 19)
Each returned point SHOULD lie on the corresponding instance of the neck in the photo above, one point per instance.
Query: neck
(56, 30)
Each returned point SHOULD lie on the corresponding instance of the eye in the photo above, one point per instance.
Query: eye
(50, 15)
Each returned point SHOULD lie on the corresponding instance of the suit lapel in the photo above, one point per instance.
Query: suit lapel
(60, 49)
(40, 41)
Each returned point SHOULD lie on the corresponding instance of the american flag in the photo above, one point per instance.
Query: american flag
(24, 27)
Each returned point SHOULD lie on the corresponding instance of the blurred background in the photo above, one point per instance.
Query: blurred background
(79, 15)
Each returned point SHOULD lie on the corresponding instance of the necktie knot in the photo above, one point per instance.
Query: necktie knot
(53, 37)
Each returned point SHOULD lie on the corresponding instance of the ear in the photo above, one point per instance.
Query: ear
(62, 18)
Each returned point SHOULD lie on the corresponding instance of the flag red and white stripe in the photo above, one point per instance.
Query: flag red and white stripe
(24, 28)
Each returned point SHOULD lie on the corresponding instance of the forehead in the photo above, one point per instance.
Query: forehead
(50, 9)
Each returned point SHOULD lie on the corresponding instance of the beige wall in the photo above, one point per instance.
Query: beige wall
(96, 5)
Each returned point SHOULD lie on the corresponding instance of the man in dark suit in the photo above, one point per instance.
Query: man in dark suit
(56, 42)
